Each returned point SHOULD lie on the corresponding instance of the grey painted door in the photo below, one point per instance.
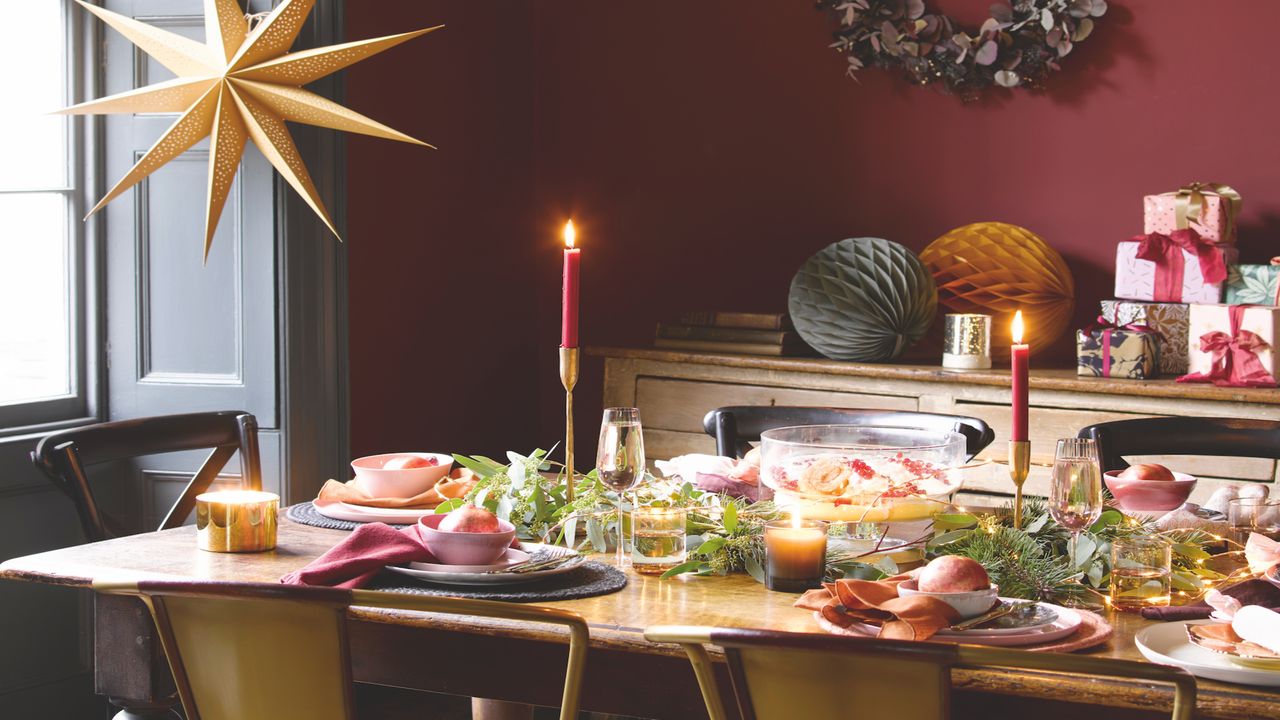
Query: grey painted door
(183, 335)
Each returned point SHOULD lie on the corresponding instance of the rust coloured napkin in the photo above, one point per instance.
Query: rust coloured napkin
(845, 602)
(457, 485)
(355, 561)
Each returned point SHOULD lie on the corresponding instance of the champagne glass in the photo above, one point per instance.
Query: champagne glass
(620, 458)
(1075, 490)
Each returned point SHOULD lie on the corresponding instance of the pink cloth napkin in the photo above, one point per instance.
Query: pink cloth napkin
(355, 561)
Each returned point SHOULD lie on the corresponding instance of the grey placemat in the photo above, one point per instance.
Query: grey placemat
(306, 514)
(587, 580)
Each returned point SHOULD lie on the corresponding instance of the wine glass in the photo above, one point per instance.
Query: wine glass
(620, 457)
(1075, 490)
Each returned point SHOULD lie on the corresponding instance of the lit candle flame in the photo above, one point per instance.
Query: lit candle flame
(1017, 328)
(570, 235)
(796, 519)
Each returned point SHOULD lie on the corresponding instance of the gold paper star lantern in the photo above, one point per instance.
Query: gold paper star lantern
(240, 85)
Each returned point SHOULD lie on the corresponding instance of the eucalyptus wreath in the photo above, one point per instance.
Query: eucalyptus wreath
(1017, 46)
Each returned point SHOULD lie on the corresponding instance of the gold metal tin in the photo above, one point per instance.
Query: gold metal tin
(236, 520)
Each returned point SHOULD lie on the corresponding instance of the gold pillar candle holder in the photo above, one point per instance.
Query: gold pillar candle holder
(568, 378)
(966, 341)
(1019, 468)
(236, 521)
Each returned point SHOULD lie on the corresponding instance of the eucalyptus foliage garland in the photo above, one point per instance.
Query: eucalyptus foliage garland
(726, 534)
(1017, 46)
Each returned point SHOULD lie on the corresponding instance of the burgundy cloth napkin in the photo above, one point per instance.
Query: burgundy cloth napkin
(1249, 592)
(355, 561)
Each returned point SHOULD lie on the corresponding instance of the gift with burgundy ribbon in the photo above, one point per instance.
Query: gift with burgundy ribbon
(1171, 320)
(1181, 266)
(1234, 357)
(1106, 349)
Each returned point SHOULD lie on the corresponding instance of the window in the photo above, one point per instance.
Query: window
(41, 348)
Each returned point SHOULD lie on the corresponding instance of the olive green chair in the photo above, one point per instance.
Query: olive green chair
(782, 676)
(259, 651)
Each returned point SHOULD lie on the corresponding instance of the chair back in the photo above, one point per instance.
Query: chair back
(250, 651)
(736, 426)
(64, 456)
(1222, 437)
(778, 676)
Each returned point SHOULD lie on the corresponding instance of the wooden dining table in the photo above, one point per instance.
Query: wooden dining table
(524, 663)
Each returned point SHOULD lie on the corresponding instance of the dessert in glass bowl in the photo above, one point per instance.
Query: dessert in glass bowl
(861, 474)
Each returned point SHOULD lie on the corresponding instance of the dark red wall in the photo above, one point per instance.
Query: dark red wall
(705, 149)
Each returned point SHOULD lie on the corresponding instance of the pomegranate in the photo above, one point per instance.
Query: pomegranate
(1147, 471)
(408, 462)
(952, 573)
(469, 519)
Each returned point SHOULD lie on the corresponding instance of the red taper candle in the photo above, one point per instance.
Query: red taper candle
(569, 298)
(1020, 354)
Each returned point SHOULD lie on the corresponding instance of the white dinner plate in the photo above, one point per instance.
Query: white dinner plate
(1167, 644)
(458, 575)
(1067, 622)
(359, 513)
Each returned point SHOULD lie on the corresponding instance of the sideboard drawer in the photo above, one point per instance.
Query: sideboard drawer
(681, 404)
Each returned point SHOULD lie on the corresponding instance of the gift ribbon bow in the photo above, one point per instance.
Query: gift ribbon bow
(1107, 327)
(1235, 356)
(1189, 203)
(1166, 252)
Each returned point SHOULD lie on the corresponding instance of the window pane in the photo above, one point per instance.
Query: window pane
(35, 320)
(33, 83)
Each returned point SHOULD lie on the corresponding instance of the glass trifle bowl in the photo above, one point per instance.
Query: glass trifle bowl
(846, 473)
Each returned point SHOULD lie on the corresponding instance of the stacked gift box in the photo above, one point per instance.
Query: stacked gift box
(1168, 316)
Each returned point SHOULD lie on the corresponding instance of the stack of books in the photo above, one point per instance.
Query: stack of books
(732, 332)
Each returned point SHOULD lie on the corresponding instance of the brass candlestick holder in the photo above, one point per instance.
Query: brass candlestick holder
(1019, 467)
(568, 378)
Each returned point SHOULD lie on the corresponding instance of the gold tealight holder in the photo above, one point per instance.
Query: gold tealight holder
(236, 521)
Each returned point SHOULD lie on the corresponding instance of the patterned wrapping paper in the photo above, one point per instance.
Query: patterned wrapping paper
(1253, 284)
(1204, 319)
(1134, 354)
(1170, 320)
(1136, 278)
(1159, 214)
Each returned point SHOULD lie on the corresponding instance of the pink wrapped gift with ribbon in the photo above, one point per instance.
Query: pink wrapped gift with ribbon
(1210, 209)
(1179, 267)
(1233, 345)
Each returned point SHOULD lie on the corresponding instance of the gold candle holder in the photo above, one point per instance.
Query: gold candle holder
(236, 521)
(568, 378)
(1019, 467)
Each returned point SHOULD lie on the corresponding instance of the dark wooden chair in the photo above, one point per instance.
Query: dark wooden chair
(736, 426)
(1220, 437)
(64, 456)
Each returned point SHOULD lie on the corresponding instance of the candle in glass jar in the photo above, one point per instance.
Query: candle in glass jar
(795, 554)
(1020, 354)
(236, 520)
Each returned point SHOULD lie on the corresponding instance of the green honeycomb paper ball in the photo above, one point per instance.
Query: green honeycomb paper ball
(863, 299)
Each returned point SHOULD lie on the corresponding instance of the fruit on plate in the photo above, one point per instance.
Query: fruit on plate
(1147, 471)
(953, 573)
(408, 462)
(469, 519)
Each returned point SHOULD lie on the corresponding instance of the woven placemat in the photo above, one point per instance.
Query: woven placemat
(306, 514)
(587, 580)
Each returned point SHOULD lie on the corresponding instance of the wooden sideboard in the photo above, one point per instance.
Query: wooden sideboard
(675, 389)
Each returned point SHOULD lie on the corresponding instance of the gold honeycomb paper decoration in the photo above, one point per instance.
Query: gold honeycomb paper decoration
(862, 299)
(997, 269)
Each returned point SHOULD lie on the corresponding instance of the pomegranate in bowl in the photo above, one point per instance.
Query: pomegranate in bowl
(1149, 487)
(463, 537)
(400, 475)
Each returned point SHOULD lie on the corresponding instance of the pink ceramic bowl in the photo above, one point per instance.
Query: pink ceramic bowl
(1150, 495)
(459, 548)
(380, 482)
(968, 604)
